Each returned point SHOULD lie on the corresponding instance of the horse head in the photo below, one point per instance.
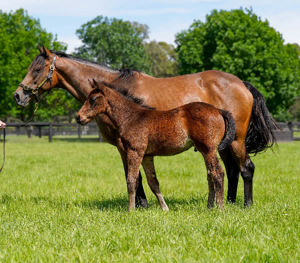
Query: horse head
(41, 77)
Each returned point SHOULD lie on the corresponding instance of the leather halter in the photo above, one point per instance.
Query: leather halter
(48, 78)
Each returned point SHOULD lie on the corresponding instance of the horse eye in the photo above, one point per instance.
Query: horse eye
(38, 70)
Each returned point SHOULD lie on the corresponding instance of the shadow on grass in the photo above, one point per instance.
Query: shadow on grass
(116, 203)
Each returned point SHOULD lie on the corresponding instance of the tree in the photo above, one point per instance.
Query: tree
(163, 58)
(240, 43)
(19, 36)
(114, 42)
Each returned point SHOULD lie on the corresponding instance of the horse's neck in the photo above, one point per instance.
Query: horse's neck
(120, 109)
(74, 77)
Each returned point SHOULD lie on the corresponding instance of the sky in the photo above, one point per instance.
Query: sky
(164, 18)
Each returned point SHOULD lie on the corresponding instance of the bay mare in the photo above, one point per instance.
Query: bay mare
(225, 91)
(146, 133)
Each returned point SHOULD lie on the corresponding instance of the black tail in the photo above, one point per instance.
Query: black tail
(229, 130)
(260, 135)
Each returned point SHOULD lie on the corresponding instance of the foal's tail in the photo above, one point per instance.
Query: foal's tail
(260, 135)
(229, 135)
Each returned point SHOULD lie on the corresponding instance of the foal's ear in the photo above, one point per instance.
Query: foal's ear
(93, 83)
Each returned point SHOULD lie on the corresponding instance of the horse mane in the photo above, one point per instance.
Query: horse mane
(124, 74)
(122, 83)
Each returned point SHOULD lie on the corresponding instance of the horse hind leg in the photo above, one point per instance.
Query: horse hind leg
(247, 168)
(232, 171)
(148, 165)
(247, 172)
(211, 191)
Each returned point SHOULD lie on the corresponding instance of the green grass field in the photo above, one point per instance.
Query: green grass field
(66, 201)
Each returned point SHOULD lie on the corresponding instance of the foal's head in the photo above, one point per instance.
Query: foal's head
(95, 104)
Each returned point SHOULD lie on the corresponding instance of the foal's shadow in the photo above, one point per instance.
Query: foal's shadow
(115, 203)
(120, 203)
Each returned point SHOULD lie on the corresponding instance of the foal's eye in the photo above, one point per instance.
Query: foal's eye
(92, 100)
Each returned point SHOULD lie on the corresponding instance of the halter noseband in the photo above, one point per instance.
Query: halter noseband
(48, 78)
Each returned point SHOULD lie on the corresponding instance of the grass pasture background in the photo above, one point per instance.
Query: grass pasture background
(66, 201)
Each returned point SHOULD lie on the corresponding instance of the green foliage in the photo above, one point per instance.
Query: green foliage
(58, 103)
(19, 36)
(295, 110)
(164, 59)
(114, 42)
(67, 202)
(240, 43)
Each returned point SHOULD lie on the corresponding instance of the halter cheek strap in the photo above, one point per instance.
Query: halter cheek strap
(48, 78)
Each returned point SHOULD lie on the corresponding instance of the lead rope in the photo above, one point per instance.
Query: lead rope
(4, 133)
(36, 105)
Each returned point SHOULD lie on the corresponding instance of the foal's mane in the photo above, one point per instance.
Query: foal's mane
(125, 93)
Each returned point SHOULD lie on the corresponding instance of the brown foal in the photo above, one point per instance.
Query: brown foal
(146, 133)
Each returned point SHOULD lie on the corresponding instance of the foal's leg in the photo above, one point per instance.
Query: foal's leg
(211, 191)
(134, 160)
(215, 174)
(148, 165)
(232, 171)
(140, 199)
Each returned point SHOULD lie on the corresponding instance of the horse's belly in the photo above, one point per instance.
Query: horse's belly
(170, 147)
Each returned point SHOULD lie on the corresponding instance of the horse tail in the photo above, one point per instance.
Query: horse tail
(260, 135)
(229, 135)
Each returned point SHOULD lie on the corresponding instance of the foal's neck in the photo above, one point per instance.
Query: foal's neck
(121, 110)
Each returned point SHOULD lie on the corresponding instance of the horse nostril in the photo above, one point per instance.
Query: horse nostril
(17, 97)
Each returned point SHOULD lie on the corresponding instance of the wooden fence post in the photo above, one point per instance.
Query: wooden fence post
(50, 132)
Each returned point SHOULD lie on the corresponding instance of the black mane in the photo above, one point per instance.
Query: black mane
(124, 79)
(124, 74)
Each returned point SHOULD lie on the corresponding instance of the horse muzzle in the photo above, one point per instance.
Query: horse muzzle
(21, 100)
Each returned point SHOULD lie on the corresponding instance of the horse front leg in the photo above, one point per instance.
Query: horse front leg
(140, 199)
(134, 160)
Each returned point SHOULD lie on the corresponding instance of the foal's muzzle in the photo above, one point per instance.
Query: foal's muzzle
(80, 120)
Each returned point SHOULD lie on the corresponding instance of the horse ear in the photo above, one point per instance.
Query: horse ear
(40, 49)
(46, 51)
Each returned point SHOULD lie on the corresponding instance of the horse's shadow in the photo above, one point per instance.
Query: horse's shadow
(121, 203)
